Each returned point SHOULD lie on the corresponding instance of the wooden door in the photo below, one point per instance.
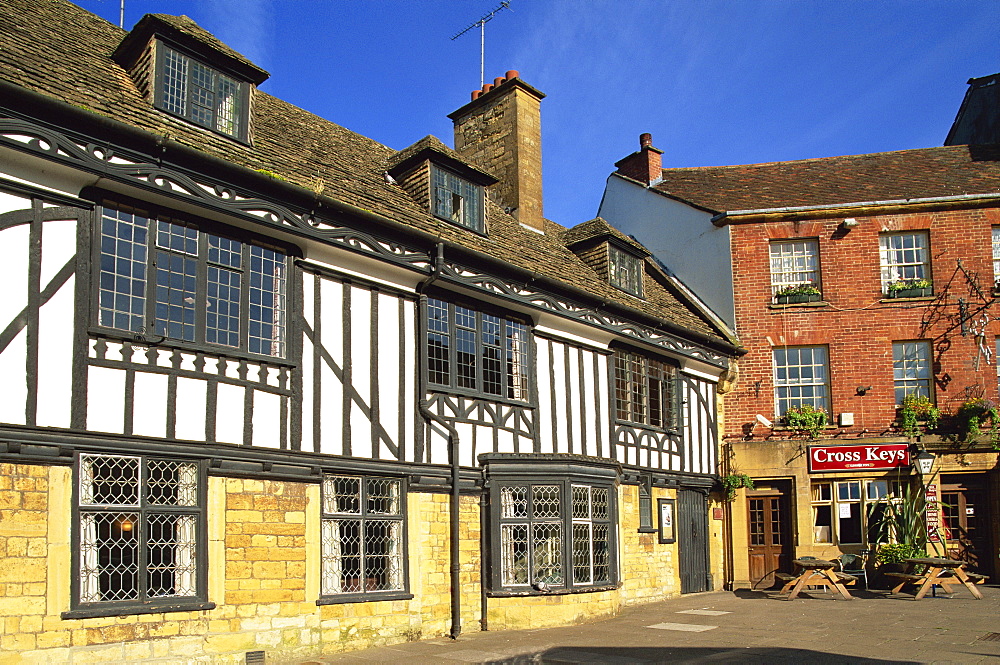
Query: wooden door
(965, 521)
(770, 546)
(692, 540)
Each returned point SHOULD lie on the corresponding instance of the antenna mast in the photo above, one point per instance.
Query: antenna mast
(482, 36)
(121, 16)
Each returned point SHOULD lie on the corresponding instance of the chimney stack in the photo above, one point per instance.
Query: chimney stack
(500, 132)
(646, 165)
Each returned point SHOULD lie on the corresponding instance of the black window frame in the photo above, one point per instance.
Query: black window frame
(566, 522)
(472, 217)
(625, 270)
(671, 403)
(508, 391)
(242, 113)
(148, 331)
(363, 516)
(143, 509)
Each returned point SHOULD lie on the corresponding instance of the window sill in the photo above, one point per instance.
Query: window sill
(364, 598)
(646, 529)
(793, 305)
(915, 299)
(471, 394)
(227, 352)
(649, 428)
(552, 592)
(128, 610)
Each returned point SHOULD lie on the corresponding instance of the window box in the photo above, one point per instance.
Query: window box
(795, 298)
(917, 292)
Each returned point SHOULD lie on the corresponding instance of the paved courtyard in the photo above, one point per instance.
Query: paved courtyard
(739, 627)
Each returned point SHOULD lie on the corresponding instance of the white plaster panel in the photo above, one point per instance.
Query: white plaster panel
(308, 394)
(505, 442)
(308, 285)
(390, 364)
(573, 402)
(331, 412)
(437, 447)
(361, 342)
(15, 384)
(14, 275)
(187, 361)
(361, 433)
(253, 372)
(229, 414)
(9, 202)
(543, 388)
(106, 400)
(267, 416)
(55, 358)
(603, 403)
(149, 415)
(232, 369)
(192, 397)
(58, 247)
(558, 364)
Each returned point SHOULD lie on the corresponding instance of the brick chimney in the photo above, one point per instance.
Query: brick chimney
(646, 165)
(500, 131)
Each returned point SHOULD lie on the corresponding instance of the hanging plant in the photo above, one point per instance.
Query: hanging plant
(734, 481)
(974, 415)
(806, 418)
(916, 409)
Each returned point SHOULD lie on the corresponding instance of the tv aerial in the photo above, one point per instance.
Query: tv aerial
(481, 22)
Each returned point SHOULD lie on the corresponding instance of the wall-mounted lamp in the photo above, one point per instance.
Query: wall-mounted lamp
(862, 390)
(849, 223)
(924, 461)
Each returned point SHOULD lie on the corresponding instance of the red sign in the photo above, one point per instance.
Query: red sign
(867, 456)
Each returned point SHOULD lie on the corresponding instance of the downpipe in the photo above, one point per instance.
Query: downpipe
(423, 406)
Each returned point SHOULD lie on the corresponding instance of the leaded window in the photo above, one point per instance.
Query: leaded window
(201, 94)
(363, 548)
(140, 525)
(645, 390)
(457, 199)
(794, 263)
(555, 534)
(911, 369)
(801, 377)
(476, 351)
(625, 270)
(168, 278)
(904, 257)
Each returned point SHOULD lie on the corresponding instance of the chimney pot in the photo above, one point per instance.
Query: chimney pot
(475, 94)
(497, 81)
(645, 140)
(512, 74)
(487, 88)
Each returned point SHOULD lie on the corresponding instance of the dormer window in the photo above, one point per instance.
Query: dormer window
(625, 270)
(457, 200)
(188, 88)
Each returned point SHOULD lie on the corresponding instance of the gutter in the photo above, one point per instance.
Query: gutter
(721, 218)
(154, 145)
(423, 406)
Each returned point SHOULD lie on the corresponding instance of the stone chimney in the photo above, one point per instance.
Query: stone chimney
(646, 165)
(500, 131)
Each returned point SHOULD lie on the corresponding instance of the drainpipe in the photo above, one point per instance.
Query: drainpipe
(424, 407)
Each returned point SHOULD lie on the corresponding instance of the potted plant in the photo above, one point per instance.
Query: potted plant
(734, 481)
(807, 292)
(974, 415)
(910, 288)
(806, 418)
(917, 409)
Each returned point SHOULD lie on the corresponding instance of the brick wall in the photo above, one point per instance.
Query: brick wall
(857, 324)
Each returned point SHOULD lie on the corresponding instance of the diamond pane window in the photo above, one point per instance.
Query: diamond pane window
(904, 257)
(477, 352)
(794, 263)
(200, 287)
(140, 522)
(201, 94)
(911, 369)
(625, 270)
(362, 535)
(801, 376)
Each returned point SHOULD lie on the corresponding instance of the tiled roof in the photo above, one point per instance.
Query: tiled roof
(599, 228)
(62, 51)
(905, 174)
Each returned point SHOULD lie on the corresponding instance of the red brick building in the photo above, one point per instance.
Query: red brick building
(853, 282)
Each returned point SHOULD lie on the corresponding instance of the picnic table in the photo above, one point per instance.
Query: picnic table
(937, 572)
(815, 572)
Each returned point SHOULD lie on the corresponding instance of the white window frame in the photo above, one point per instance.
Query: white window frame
(904, 257)
(996, 257)
(912, 369)
(202, 94)
(861, 495)
(805, 380)
(794, 263)
(625, 270)
(457, 200)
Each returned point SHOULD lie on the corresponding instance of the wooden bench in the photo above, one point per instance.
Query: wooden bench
(977, 578)
(788, 579)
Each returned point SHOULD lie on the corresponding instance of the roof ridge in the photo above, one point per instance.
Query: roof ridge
(828, 158)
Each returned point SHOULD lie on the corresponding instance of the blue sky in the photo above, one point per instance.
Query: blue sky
(714, 81)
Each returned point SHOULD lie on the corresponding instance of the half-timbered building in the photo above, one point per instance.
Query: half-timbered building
(272, 389)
